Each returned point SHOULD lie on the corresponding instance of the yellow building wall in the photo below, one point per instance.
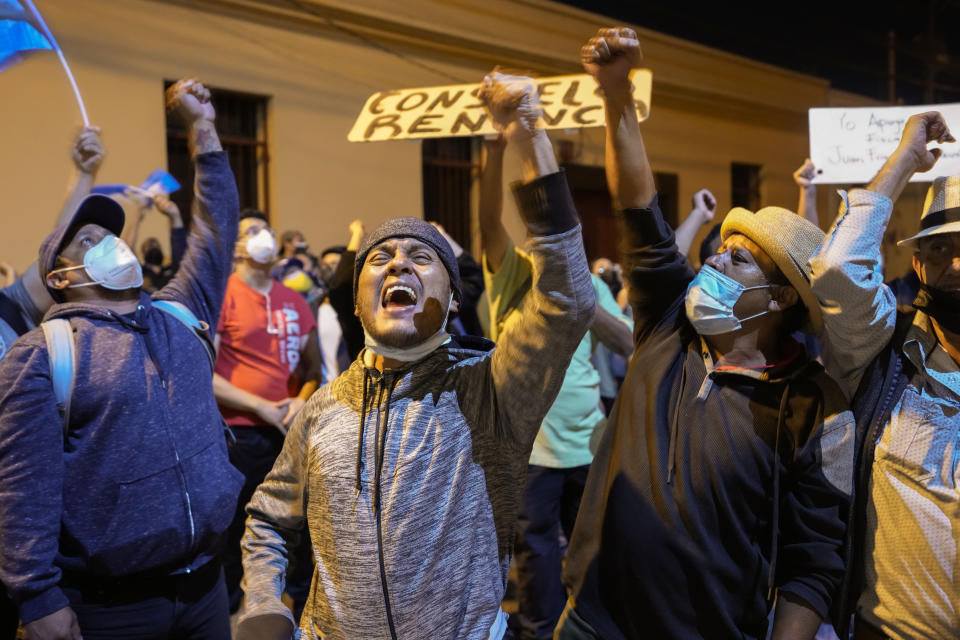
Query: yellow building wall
(709, 108)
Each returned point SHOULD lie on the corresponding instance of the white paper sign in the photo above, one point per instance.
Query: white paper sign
(568, 102)
(849, 145)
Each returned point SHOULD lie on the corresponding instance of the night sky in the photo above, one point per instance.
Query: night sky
(845, 42)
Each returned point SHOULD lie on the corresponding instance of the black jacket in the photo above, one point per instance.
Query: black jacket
(882, 385)
(708, 488)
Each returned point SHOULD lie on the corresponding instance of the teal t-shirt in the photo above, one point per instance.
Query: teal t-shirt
(564, 437)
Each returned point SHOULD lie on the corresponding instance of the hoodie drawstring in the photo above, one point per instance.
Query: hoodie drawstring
(363, 424)
(380, 436)
(775, 520)
(381, 439)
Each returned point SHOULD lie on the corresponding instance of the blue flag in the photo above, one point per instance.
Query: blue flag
(157, 182)
(160, 180)
(19, 35)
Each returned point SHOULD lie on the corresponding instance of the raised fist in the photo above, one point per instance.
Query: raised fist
(88, 151)
(190, 100)
(609, 57)
(920, 130)
(166, 206)
(512, 102)
(705, 205)
(805, 174)
(357, 228)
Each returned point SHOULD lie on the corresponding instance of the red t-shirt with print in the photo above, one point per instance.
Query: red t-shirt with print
(255, 355)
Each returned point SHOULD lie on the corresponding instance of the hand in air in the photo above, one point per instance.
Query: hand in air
(610, 56)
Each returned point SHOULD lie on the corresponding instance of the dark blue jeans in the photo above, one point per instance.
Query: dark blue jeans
(550, 503)
(253, 454)
(193, 609)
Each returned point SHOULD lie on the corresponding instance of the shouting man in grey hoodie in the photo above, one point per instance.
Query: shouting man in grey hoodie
(407, 470)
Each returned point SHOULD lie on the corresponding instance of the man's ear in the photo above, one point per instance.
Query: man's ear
(454, 306)
(917, 267)
(356, 310)
(784, 297)
(57, 281)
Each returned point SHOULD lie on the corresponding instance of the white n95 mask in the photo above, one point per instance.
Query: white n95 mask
(262, 247)
(111, 264)
(711, 297)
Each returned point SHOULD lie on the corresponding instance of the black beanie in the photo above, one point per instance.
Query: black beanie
(410, 228)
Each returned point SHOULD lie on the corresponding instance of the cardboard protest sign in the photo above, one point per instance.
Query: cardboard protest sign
(568, 102)
(849, 145)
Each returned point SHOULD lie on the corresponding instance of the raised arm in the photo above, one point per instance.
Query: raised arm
(704, 208)
(807, 205)
(341, 293)
(859, 310)
(494, 240)
(656, 271)
(613, 329)
(202, 279)
(532, 355)
(131, 230)
(178, 234)
(87, 154)
(609, 57)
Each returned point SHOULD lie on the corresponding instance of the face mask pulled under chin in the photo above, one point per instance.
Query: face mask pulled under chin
(941, 305)
(262, 247)
(415, 352)
(710, 299)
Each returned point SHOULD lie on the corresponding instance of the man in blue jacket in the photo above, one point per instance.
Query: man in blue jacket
(113, 509)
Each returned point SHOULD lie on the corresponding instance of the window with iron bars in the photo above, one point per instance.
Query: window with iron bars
(242, 127)
(448, 172)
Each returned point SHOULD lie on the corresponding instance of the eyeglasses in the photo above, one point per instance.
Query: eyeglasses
(254, 230)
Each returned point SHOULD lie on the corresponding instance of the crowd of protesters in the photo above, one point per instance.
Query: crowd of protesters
(361, 442)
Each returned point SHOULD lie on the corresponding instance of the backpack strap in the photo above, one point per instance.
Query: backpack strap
(61, 352)
(182, 313)
(63, 365)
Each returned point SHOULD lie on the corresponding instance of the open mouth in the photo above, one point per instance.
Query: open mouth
(399, 295)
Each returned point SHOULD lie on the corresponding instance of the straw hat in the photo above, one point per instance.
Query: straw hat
(789, 240)
(941, 209)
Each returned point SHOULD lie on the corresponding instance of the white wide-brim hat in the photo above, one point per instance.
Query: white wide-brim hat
(941, 209)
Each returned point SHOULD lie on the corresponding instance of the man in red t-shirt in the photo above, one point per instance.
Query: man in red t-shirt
(266, 336)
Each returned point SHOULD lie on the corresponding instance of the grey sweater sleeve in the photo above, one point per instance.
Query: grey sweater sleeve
(276, 514)
(532, 356)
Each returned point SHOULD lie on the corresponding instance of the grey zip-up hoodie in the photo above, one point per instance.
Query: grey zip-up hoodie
(409, 480)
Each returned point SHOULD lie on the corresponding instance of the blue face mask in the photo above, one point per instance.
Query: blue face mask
(711, 297)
